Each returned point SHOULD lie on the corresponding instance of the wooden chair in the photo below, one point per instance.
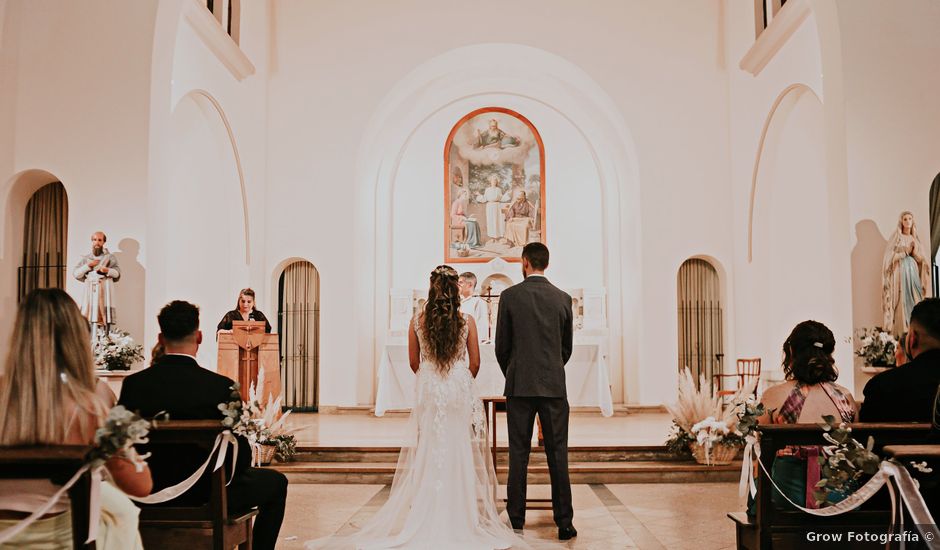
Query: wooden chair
(458, 234)
(773, 527)
(747, 370)
(210, 525)
(57, 463)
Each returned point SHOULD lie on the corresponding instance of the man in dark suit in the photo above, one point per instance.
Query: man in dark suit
(533, 343)
(906, 393)
(178, 385)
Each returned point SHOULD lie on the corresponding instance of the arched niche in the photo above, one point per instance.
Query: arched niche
(701, 318)
(525, 78)
(203, 245)
(16, 193)
(298, 328)
(792, 259)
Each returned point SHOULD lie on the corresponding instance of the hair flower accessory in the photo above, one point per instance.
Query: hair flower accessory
(818, 344)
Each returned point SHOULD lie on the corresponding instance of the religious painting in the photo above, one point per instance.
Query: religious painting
(494, 187)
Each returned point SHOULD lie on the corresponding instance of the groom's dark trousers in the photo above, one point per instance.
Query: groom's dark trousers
(533, 343)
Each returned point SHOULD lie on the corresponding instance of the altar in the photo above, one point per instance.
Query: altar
(586, 377)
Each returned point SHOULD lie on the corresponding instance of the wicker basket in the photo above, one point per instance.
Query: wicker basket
(719, 455)
(263, 454)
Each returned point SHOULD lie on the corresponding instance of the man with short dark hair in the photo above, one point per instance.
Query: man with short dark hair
(534, 333)
(906, 393)
(178, 385)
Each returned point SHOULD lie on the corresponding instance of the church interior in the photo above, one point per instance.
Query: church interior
(706, 175)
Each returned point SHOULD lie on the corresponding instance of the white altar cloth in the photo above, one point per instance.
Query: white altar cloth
(586, 377)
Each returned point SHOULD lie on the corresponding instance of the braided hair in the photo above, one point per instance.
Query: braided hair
(442, 322)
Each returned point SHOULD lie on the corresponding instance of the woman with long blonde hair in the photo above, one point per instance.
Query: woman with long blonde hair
(49, 395)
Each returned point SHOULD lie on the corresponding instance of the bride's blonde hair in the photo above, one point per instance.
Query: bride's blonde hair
(49, 373)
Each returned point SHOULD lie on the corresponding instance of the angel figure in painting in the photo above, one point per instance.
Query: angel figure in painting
(494, 137)
(906, 272)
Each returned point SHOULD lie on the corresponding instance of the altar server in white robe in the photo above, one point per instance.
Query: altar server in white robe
(474, 305)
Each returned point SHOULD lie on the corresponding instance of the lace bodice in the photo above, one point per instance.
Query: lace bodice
(426, 361)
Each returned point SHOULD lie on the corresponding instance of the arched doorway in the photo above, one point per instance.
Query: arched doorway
(45, 232)
(298, 328)
(700, 319)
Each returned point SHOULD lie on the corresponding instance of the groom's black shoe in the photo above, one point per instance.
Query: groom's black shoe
(565, 533)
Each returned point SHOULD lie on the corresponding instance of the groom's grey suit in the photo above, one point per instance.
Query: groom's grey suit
(533, 343)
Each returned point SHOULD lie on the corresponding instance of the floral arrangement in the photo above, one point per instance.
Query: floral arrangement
(876, 346)
(700, 418)
(122, 429)
(843, 463)
(260, 425)
(116, 350)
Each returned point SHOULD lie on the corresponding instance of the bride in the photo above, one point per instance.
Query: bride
(443, 493)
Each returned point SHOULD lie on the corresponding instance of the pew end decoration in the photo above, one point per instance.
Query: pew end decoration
(703, 425)
(263, 425)
(122, 429)
(843, 464)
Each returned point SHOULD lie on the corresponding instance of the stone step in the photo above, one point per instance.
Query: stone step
(581, 472)
(575, 454)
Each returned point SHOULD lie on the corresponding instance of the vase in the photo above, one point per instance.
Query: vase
(718, 455)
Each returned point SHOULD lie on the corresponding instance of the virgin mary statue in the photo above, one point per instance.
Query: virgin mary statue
(906, 272)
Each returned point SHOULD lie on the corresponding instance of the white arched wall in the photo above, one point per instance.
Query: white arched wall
(205, 219)
(793, 261)
(478, 76)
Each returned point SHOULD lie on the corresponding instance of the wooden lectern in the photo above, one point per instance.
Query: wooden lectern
(246, 350)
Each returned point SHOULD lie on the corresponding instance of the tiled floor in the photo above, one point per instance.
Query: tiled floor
(608, 517)
(585, 429)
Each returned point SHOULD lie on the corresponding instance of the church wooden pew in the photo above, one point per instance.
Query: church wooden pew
(776, 528)
(57, 463)
(210, 525)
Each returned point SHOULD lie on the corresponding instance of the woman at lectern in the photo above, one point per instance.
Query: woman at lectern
(244, 311)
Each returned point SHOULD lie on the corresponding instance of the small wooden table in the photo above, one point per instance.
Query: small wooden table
(489, 405)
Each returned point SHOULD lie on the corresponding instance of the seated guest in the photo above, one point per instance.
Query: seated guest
(49, 396)
(808, 394)
(244, 311)
(906, 393)
(176, 383)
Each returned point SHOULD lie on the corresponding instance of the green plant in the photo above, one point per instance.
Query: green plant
(286, 446)
(843, 463)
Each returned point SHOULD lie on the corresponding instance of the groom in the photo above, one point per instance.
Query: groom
(533, 343)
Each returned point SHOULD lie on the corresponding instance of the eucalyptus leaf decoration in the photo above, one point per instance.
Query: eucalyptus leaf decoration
(843, 463)
(122, 429)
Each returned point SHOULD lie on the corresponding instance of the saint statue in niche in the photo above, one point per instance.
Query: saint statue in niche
(906, 275)
(494, 186)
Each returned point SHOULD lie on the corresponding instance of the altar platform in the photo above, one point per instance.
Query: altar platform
(360, 448)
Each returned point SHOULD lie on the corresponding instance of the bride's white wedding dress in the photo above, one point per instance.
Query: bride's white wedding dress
(442, 496)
